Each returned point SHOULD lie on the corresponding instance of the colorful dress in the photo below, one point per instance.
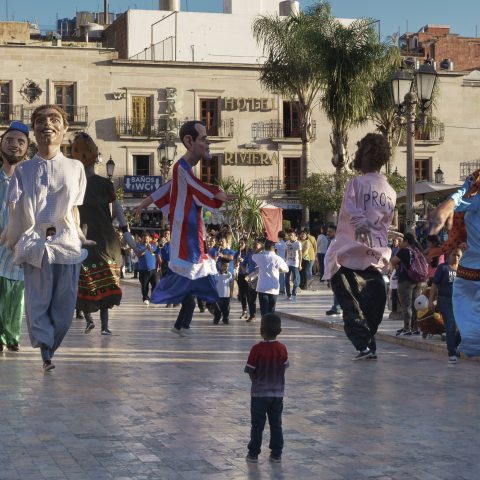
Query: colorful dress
(99, 283)
(192, 269)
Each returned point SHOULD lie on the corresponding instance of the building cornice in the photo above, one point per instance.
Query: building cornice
(196, 65)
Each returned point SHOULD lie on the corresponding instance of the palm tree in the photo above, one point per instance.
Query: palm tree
(290, 70)
(351, 58)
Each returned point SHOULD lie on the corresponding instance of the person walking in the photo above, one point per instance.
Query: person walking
(44, 193)
(358, 259)
(270, 265)
(442, 291)
(293, 259)
(148, 253)
(13, 149)
(249, 267)
(281, 251)
(305, 262)
(222, 307)
(322, 245)
(408, 289)
(241, 274)
(335, 309)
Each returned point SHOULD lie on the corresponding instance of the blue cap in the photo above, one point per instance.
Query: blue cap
(19, 127)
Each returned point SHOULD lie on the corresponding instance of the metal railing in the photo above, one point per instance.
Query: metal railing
(77, 115)
(10, 112)
(265, 187)
(224, 129)
(136, 127)
(467, 168)
(273, 129)
(430, 133)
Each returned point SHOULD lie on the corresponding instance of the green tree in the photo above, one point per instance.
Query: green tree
(290, 69)
(351, 59)
(323, 192)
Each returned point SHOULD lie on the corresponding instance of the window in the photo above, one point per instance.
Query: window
(65, 97)
(4, 102)
(141, 164)
(423, 170)
(209, 170)
(291, 122)
(209, 108)
(141, 115)
(291, 173)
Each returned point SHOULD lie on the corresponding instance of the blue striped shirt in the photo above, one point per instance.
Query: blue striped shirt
(7, 268)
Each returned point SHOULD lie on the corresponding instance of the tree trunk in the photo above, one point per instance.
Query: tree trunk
(305, 165)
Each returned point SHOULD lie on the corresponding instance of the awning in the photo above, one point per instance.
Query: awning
(130, 203)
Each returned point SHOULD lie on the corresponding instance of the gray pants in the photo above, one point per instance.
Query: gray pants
(50, 299)
(407, 293)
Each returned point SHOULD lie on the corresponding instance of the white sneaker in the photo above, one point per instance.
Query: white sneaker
(186, 331)
(146, 302)
(178, 332)
(452, 359)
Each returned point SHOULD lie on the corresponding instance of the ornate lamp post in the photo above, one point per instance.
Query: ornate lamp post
(408, 90)
(166, 155)
(110, 165)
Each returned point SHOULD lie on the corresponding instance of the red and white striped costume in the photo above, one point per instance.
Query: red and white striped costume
(183, 198)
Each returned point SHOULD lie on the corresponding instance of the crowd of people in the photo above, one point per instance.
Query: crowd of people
(59, 252)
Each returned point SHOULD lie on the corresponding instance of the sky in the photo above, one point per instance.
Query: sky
(405, 15)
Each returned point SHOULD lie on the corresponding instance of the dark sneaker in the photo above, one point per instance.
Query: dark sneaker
(406, 333)
(90, 326)
(106, 331)
(373, 356)
(13, 348)
(332, 312)
(416, 332)
(250, 319)
(452, 359)
(251, 458)
(399, 331)
(275, 458)
(363, 355)
(79, 315)
(48, 365)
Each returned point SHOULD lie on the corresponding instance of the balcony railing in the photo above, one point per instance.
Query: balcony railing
(77, 115)
(277, 130)
(224, 129)
(467, 168)
(270, 186)
(433, 134)
(136, 127)
(10, 112)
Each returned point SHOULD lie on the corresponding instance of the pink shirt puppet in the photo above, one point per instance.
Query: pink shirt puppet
(369, 202)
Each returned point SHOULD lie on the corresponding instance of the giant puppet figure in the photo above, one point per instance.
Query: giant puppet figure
(191, 268)
(463, 208)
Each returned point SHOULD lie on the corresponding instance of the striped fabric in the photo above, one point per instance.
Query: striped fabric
(184, 198)
(7, 268)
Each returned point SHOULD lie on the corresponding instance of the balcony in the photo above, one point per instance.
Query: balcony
(9, 112)
(285, 132)
(467, 168)
(432, 134)
(131, 127)
(274, 187)
(77, 115)
(217, 133)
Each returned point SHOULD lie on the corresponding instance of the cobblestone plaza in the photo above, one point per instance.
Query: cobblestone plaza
(144, 404)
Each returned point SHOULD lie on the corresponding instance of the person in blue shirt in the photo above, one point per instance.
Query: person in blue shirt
(226, 254)
(147, 253)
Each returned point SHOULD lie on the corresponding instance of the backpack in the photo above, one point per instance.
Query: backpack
(418, 270)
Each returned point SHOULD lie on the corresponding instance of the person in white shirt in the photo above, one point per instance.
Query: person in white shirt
(44, 192)
(281, 251)
(223, 281)
(293, 259)
(322, 245)
(270, 265)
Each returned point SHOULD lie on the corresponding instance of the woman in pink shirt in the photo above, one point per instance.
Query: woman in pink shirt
(358, 258)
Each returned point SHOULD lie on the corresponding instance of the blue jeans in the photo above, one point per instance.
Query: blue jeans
(292, 272)
(453, 335)
(186, 312)
(281, 279)
(267, 302)
(260, 408)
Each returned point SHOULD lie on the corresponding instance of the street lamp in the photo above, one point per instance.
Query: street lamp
(439, 175)
(407, 91)
(166, 155)
(110, 168)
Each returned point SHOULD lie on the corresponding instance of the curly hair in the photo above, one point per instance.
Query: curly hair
(373, 152)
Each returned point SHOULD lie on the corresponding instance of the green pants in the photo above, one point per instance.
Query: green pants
(11, 310)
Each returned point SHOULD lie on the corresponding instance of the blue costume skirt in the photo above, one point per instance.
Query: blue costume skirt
(466, 309)
(173, 288)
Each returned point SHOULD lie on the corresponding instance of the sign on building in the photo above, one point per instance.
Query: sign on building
(141, 183)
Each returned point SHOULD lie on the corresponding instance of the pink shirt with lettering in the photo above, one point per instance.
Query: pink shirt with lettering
(369, 201)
